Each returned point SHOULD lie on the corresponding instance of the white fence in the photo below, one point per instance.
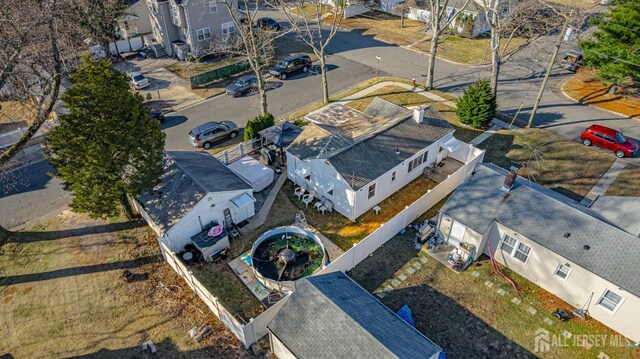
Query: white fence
(418, 14)
(131, 44)
(388, 230)
(238, 151)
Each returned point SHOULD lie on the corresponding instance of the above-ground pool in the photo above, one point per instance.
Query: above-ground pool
(285, 254)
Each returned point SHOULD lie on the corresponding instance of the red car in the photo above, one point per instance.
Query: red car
(610, 139)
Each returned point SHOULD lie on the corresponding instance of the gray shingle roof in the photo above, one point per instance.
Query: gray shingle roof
(545, 216)
(187, 178)
(331, 316)
(364, 154)
(620, 211)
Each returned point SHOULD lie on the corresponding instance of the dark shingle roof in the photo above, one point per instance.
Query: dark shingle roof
(186, 179)
(620, 211)
(545, 216)
(331, 316)
(366, 153)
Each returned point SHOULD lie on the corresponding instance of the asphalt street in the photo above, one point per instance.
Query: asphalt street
(29, 193)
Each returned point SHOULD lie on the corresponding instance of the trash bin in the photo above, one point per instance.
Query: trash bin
(187, 257)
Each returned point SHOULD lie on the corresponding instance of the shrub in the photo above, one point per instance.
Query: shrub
(477, 106)
(253, 127)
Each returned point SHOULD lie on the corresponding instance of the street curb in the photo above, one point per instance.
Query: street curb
(564, 93)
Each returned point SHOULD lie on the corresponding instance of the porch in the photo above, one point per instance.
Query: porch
(443, 169)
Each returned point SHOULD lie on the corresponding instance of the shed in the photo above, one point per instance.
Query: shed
(253, 172)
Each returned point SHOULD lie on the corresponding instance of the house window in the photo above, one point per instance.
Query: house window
(562, 271)
(410, 166)
(393, 176)
(515, 249)
(228, 28)
(372, 191)
(610, 301)
(424, 157)
(415, 163)
(204, 34)
(213, 7)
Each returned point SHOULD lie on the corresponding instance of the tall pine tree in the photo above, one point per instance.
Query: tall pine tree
(477, 106)
(614, 49)
(107, 146)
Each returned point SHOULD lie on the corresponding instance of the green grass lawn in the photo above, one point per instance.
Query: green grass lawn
(463, 315)
(564, 166)
(627, 184)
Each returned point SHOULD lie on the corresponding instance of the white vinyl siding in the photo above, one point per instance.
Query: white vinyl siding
(610, 301)
(228, 28)
(213, 7)
(515, 249)
(562, 271)
(204, 34)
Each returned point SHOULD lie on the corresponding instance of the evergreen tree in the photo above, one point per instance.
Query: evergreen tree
(108, 146)
(253, 127)
(615, 48)
(477, 106)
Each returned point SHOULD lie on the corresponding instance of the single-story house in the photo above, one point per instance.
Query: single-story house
(331, 316)
(586, 256)
(195, 191)
(357, 159)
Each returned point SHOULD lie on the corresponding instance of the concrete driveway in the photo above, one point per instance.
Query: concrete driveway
(169, 91)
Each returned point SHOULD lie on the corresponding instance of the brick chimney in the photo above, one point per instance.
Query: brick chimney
(510, 179)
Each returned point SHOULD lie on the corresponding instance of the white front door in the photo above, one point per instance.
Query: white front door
(457, 233)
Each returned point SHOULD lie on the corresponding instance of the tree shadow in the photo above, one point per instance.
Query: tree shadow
(171, 121)
(29, 237)
(75, 271)
(11, 126)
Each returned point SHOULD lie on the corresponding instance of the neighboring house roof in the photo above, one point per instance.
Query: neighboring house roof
(471, 5)
(364, 151)
(186, 179)
(620, 211)
(331, 316)
(545, 217)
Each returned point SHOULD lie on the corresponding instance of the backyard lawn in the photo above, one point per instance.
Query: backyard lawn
(627, 184)
(345, 233)
(63, 296)
(404, 97)
(462, 314)
(564, 166)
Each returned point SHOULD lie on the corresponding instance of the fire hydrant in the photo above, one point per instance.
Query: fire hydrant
(414, 81)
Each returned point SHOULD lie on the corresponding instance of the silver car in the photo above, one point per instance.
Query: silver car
(207, 133)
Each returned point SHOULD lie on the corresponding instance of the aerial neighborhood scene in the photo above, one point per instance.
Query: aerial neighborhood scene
(320, 179)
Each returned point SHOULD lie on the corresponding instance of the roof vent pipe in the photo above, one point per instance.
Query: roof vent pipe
(510, 179)
(418, 114)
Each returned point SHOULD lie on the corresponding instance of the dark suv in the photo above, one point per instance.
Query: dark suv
(291, 65)
(267, 23)
(242, 85)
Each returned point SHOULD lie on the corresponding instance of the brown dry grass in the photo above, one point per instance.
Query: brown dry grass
(627, 184)
(62, 295)
(467, 51)
(385, 27)
(566, 167)
(345, 233)
(14, 115)
(586, 88)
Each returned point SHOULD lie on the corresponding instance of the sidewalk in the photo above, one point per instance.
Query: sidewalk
(604, 183)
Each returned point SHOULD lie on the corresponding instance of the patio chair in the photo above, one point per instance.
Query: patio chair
(299, 192)
(307, 199)
(232, 231)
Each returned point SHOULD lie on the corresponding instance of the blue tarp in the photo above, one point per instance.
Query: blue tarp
(405, 314)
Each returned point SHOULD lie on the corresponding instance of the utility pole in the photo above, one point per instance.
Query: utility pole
(549, 67)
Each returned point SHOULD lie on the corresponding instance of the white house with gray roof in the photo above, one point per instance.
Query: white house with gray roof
(331, 316)
(357, 159)
(588, 257)
(195, 190)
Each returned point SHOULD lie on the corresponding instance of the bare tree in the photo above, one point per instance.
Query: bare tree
(312, 33)
(403, 8)
(98, 19)
(439, 21)
(252, 42)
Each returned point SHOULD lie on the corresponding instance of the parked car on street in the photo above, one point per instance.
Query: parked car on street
(138, 81)
(157, 114)
(209, 132)
(291, 65)
(241, 86)
(610, 139)
(267, 23)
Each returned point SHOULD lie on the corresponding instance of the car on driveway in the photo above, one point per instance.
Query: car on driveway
(267, 23)
(209, 132)
(241, 86)
(609, 139)
(291, 65)
(138, 81)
